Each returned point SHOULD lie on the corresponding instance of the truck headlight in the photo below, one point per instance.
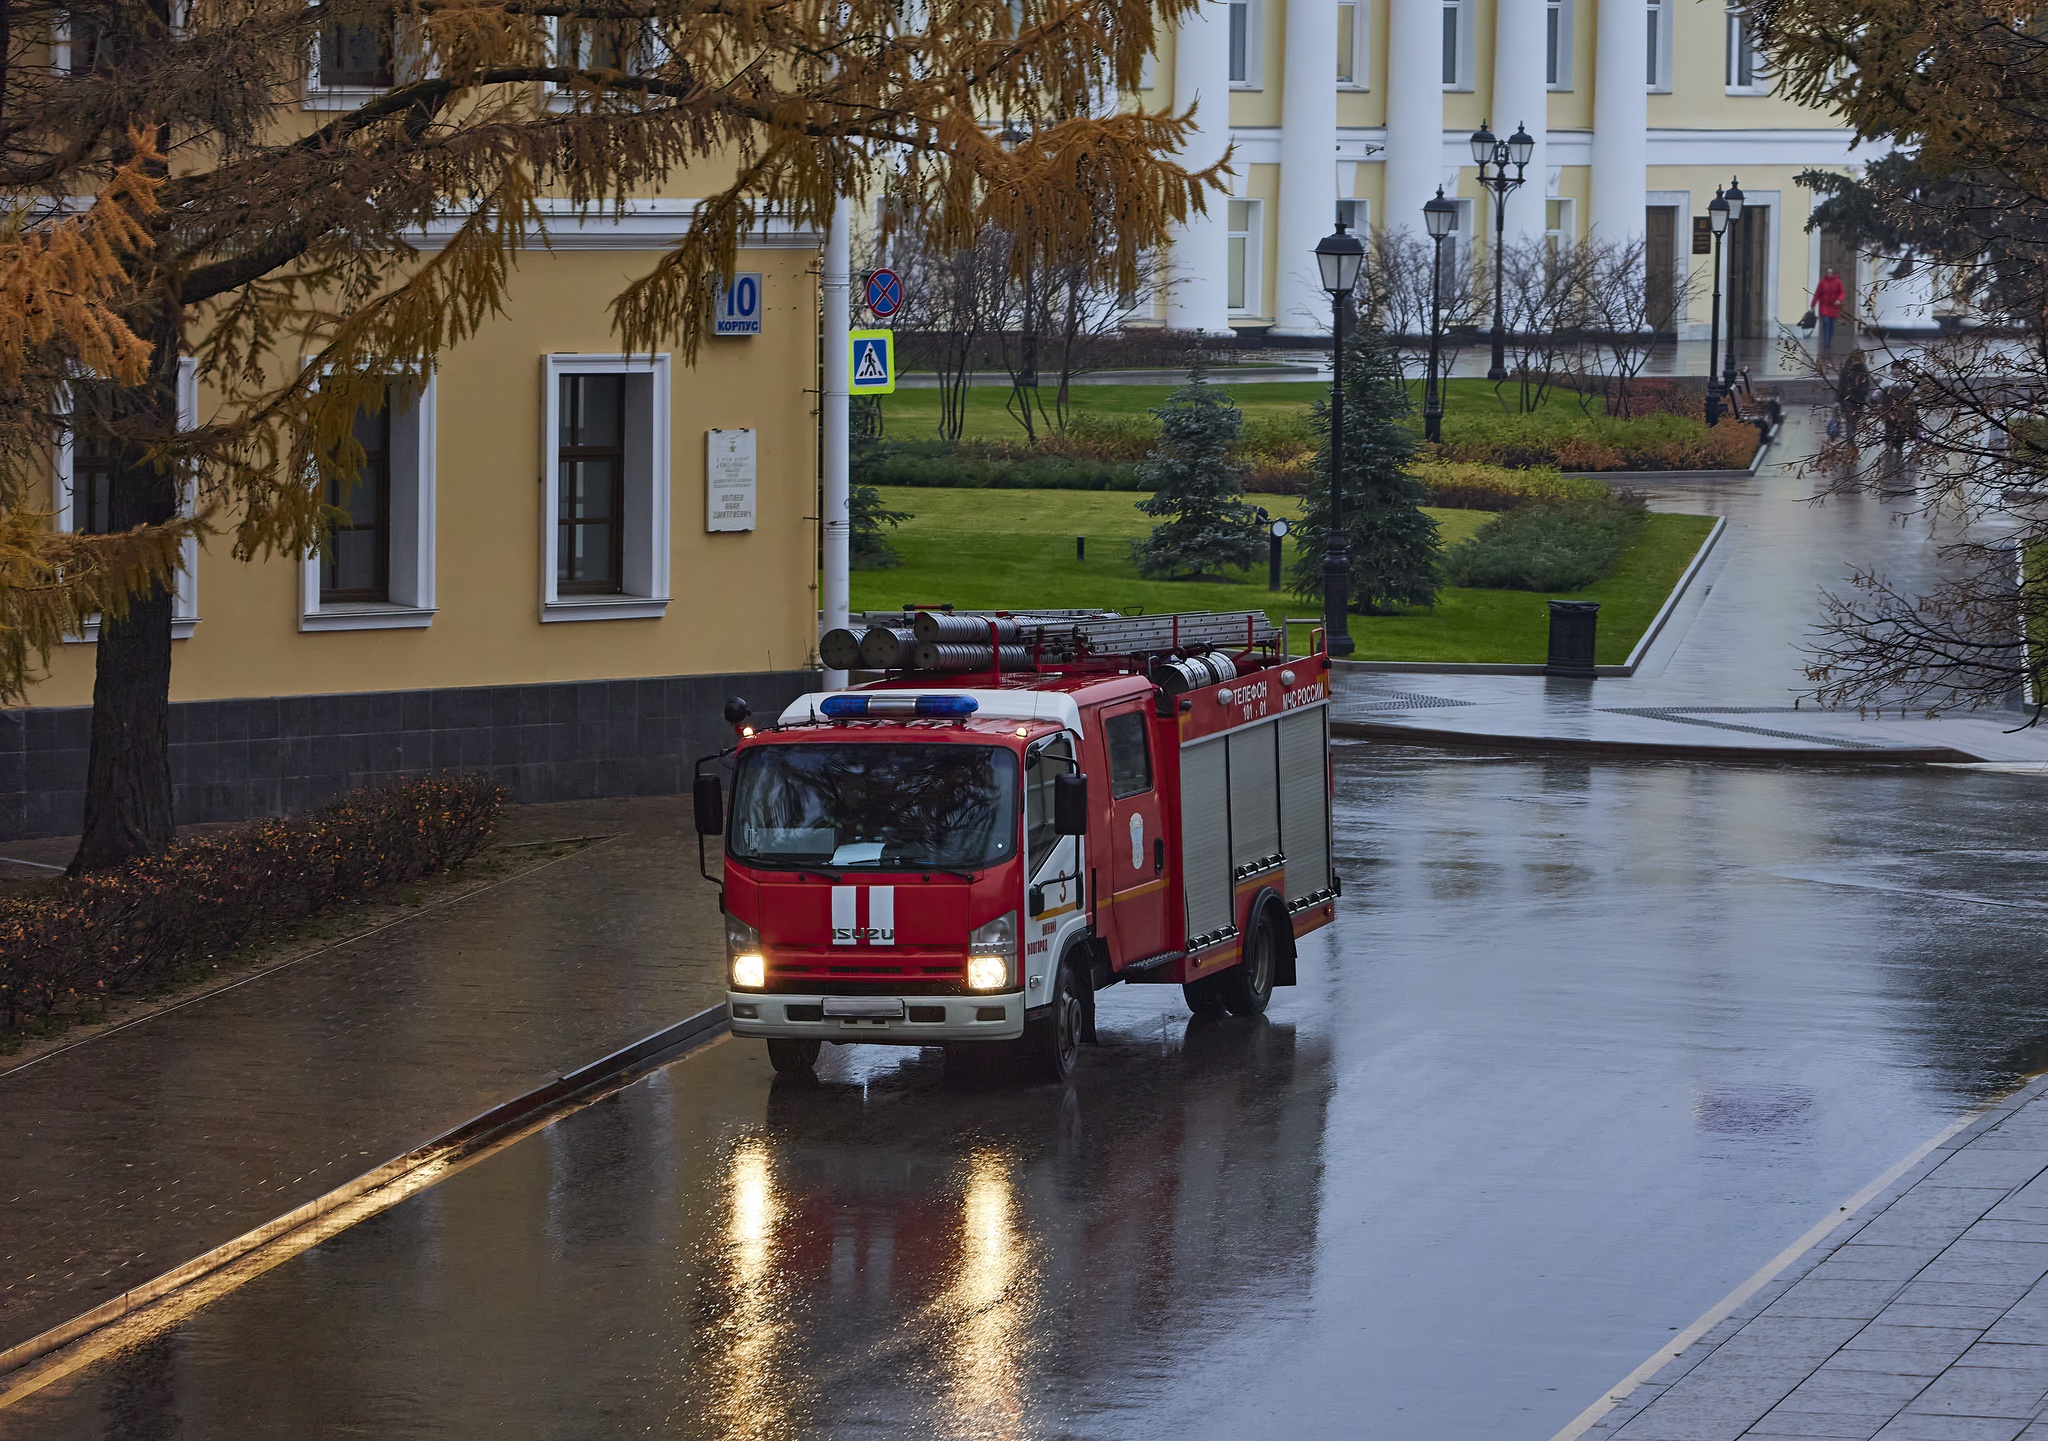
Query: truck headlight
(747, 964)
(992, 955)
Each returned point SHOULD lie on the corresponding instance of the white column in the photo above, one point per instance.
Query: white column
(1199, 262)
(834, 478)
(1415, 112)
(1521, 97)
(1308, 167)
(1621, 119)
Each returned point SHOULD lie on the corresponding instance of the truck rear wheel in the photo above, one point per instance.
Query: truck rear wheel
(1204, 997)
(1248, 986)
(793, 1057)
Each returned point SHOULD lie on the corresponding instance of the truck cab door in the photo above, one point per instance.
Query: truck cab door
(1135, 877)
(1054, 885)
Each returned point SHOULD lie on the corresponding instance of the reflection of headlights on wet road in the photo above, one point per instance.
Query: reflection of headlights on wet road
(987, 973)
(749, 972)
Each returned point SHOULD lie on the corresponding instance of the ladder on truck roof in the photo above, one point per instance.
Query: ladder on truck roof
(931, 640)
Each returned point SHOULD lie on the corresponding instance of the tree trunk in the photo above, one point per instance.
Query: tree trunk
(128, 768)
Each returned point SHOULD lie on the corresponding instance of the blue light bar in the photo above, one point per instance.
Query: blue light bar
(851, 707)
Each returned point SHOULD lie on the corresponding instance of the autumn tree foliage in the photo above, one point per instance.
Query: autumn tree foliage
(1952, 427)
(237, 228)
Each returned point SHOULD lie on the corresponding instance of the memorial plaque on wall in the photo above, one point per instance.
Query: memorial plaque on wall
(1702, 235)
(729, 480)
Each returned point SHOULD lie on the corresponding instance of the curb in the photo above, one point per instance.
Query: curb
(678, 1039)
(1601, 672)
(1652, 750)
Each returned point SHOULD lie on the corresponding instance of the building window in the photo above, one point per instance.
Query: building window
(75, 46)
(607, 479)
(85, 477)
(1659, 58)
(1560, 226)
(590, 495)
(1457, 45)
(376, 570)
(1351, 214)
(1246, 69)
(1244, 257)
(354, 60)
(1746, 74)
(356, 563)
(1354, 28)
(1557, 43)
(630, 47)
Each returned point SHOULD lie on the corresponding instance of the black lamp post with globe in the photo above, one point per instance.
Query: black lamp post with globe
(1493, 157)
(1722, 209)
(1339, 257)
(1441, 217)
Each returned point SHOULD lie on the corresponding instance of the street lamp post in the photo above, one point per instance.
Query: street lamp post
(1440, 216)
(1717, 216)
(1516, 150)
(1734, 199)
(1011, 137)
(1339, 257)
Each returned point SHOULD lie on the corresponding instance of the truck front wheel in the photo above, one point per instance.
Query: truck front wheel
(1054, 1043)
(793, 1057)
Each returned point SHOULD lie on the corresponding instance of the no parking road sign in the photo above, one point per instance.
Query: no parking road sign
(872, 367)
(885, 293)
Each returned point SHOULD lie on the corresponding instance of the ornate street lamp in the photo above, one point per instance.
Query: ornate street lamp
(1516, 150)
(1734, 199)
(1010, 138)
(1339, 257)
(1717, 216)
(1441, 218)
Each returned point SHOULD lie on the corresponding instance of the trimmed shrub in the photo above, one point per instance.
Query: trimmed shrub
(1456, 485)
(1555, 544)
(93, 936)
(1561, 438)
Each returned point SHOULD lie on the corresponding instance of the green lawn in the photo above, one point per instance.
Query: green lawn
(914, 414)
(1015, 548)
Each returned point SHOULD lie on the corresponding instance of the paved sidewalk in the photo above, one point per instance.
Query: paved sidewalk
(1923, 1318)
(141, 1148)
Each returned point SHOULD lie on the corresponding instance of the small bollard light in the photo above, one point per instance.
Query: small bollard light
(1080, 547)
(1276, 532)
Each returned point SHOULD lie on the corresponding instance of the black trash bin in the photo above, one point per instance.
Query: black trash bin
(1572, 625)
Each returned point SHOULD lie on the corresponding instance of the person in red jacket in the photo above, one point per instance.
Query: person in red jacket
(1827, 304)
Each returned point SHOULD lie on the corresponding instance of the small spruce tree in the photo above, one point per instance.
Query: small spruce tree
(1392, 545)
(1194, 481)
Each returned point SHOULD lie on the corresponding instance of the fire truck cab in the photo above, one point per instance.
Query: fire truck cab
(959, 858)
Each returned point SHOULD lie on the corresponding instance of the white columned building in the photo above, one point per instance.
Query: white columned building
(1198, 297)
(1415, 112)
(1308, 167)
(1521, 97)
(1621, 122)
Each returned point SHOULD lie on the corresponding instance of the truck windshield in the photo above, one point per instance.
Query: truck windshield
(881, 805)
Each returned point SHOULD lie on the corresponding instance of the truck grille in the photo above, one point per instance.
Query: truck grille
(849, 970)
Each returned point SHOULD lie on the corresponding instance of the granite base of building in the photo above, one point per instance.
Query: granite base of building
(236, 759)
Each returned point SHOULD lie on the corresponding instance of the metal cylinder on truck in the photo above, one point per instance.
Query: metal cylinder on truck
(839, 649)
(943, 626)
(1193, 672)
(933, 655)
(886, 647)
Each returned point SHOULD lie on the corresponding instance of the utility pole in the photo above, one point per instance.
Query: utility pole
(835, 480)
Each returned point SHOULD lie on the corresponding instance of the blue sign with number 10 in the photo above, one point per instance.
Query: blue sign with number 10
(739, 309)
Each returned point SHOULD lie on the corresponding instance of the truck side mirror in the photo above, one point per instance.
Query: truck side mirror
(1070, 804)
(709, 801)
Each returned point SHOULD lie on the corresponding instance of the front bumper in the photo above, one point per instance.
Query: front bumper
(924, 1021)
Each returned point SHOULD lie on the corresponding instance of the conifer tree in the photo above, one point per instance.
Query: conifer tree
(1392, 545)
(370, 240)
(1194, 480)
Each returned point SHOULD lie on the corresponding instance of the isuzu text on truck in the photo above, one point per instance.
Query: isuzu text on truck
(1023, 810)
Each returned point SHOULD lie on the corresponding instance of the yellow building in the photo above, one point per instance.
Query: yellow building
(561, 562)
(1639, 110)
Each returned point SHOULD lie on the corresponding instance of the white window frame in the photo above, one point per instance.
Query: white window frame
(1254, 76)
(646, 543)
(1660, 13)
(185, 594)
(411, 604)
(1361, 213)
(1254, 238)
(561, 99)
(1739, 37)
(1559, 13)
(1361, 45)
(1568, 219)
(348, 97)
(1463, 58)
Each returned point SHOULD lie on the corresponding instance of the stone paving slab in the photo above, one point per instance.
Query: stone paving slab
(1923, 1317)
(143, 1147)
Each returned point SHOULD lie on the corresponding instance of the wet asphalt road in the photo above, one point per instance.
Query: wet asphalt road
(1589, 1044)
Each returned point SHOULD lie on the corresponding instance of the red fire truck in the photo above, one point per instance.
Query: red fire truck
(1023, 810)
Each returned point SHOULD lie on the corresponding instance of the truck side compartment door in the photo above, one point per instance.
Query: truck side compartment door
(1136, 877)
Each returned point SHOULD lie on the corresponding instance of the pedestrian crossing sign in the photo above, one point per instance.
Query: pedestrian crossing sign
(873, 368)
